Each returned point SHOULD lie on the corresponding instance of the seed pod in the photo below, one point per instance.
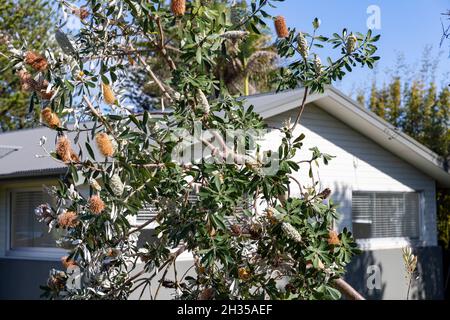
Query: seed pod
(280, 27)
(302, 45)
(317, 64)
(178, 7)
(96, 205)
(50, 118)
(108, 94)
(104, 144)
(351, 42)
(36, 61)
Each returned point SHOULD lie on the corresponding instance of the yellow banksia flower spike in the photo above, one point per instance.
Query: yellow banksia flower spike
(108, 94)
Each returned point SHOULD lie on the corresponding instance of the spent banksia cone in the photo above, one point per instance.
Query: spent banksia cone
(36, 61)
(96, 205)
(108, 94)
(50, 118)
(178, 7)
(104, 144)
(281, 27)
(64, 150)
(68, 219)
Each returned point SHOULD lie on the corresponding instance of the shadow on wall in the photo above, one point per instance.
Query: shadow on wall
(21, 279)
(429, 270)
(365, 274)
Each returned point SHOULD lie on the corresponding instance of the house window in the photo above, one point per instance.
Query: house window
(26, 231)
(386, 215)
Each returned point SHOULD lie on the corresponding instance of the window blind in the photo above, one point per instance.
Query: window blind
(26, 230)
(385, 215)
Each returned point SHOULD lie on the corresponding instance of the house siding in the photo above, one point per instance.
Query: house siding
(3, 224)
(360, 165)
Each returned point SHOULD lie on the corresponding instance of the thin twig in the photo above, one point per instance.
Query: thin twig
(302, 107)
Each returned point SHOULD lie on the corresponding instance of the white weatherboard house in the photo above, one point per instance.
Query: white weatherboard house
(384, 182)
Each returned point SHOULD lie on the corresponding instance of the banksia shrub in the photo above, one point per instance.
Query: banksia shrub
(50, 118)
(281, 27)
(68, 219)
(96, 205)
(178, 7)
(36, 61)
(108, 94)
(104, 144)
(333, 238)
(64, 150)
(67, 263)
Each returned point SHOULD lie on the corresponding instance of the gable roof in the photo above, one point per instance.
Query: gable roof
(361, 120)
(22, 146)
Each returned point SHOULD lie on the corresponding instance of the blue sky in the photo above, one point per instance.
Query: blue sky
(407, 26)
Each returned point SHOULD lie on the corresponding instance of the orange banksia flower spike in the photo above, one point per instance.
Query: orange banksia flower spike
(50, 118)
(68, 219)
(178, 7)
(281, 27)
(64, 150)
(96, 205)
(36, 61)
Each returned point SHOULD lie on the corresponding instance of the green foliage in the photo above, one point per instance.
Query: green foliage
(251, 236)
(25, 24)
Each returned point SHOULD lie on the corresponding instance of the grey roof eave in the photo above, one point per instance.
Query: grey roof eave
(33, 173)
